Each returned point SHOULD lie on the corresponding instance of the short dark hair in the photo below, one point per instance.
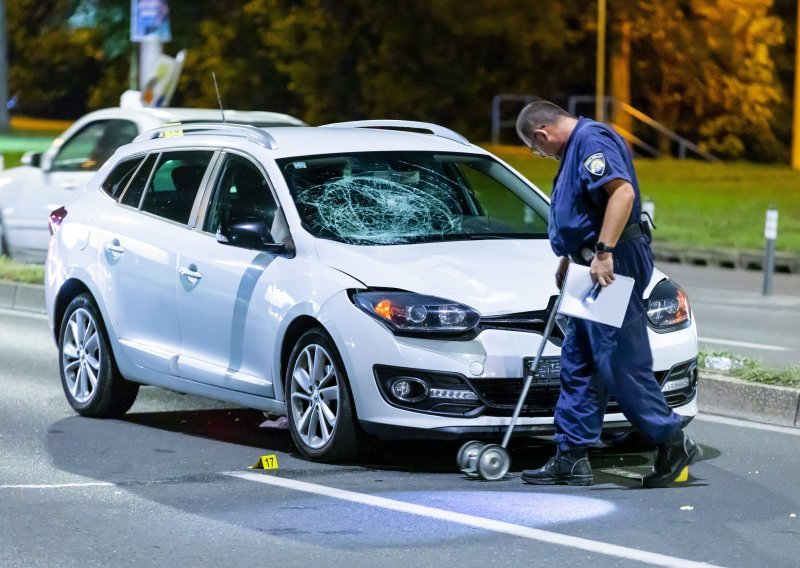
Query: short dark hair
(536, 114)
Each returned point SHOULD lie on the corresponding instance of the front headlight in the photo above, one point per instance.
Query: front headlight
(406, 312)
(668, 307)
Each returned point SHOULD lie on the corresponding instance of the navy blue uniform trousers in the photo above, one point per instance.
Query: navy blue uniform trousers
(599, 360)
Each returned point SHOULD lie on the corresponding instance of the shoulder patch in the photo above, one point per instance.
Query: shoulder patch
(595, 164)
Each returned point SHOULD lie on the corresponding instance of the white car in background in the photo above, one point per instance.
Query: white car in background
(50, 179)
(380, 278)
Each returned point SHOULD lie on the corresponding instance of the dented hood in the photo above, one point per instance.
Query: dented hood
(493, 276)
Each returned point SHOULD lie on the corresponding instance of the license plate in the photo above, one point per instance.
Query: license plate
(548, 371)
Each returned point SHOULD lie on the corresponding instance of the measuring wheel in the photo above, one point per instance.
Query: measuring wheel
(467, 458)
(493, 462)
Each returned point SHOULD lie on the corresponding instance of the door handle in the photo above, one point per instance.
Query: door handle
(190, 273)
(114, 248)
(70, 184)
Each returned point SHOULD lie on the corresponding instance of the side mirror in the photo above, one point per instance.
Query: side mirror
(251, 234)
(32, 159)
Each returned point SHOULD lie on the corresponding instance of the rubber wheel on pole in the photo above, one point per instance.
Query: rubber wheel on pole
(493, 462)
(467, 457)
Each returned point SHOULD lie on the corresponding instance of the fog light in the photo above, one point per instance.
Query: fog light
(677, 384)
(409, 389)
(453, 394)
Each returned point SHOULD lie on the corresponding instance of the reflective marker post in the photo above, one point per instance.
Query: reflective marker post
(649, 207)
(770, 234)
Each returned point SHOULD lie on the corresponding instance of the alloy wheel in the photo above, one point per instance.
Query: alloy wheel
(81, 355)
(314, 393)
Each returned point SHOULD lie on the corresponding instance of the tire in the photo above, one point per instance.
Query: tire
(319, 405)
(4, 251)
(89, 375)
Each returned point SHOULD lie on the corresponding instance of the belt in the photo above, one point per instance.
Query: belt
(633, 231)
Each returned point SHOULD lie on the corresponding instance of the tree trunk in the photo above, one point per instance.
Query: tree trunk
(621, 73)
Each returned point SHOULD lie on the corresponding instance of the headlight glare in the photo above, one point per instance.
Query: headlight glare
(410, 312)
(668, 306)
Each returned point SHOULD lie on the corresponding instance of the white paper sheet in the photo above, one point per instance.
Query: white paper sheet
(610, 305)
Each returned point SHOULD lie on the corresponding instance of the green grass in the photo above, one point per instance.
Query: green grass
(700, 204)
(755, 371)
(17, 272)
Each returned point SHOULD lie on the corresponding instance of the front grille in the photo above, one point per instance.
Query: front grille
(534, 321)
(501, 396)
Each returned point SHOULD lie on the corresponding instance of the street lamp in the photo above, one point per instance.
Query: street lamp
(600, 78)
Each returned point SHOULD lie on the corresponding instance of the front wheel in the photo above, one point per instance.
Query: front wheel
(89, 374)
(318, 400)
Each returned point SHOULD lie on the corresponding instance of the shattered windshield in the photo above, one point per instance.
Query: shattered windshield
(386, 198)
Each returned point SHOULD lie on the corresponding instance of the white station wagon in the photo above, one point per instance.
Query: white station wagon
(375, 278)
(49, 179)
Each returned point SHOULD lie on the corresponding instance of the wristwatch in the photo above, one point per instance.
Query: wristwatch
(602, 247)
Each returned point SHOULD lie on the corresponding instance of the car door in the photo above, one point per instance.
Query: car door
(224, 300)
(140, 251)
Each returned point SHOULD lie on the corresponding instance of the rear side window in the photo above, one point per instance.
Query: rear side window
(115, 183)
(133, 193)
(175, 183)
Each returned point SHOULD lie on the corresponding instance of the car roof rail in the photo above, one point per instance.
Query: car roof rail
(409, 125)
(248, 131)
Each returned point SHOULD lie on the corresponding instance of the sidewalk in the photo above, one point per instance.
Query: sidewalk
(718, 394)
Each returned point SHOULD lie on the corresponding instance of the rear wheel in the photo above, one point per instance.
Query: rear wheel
(3, 244)
(318, 400)
(89, 374)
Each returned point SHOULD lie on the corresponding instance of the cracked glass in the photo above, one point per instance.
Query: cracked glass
(391, 198)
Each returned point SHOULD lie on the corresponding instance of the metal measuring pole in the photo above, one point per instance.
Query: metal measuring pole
(770, 234)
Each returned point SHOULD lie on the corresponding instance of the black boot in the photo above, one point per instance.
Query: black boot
(570, 467)
(671, 458)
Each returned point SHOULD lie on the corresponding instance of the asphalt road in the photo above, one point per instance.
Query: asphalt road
(733, 315)
(169, 485)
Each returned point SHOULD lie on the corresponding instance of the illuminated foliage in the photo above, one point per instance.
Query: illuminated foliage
(704, 68)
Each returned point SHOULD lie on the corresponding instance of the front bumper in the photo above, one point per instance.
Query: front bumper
(490, 364)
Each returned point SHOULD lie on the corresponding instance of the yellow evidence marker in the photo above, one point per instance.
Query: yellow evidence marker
(266, 462)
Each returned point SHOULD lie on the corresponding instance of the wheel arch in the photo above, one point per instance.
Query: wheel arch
(71, 289)
(296, 329)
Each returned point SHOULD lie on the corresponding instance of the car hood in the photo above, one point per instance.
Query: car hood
(493, 276)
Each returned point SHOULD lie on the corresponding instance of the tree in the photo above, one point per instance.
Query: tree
(705, 69)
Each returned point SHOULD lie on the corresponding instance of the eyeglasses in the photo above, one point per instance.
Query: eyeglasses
(535, 150)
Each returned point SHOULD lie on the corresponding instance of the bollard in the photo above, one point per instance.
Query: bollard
(649, 207)
(770, 234)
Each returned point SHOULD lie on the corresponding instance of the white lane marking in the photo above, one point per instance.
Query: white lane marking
(745, 424)
(58, 485)
(469, 520)
(743, 344)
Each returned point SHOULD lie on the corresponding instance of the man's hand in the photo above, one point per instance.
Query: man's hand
(561, 272)
(602, 269)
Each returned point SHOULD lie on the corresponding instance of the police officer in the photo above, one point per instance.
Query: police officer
(594, 220)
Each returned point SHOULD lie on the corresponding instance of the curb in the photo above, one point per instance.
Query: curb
(718, 394)
(25, 297)
(728, 396)
(746, 259)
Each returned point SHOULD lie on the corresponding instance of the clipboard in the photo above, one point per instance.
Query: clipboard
(581, 299)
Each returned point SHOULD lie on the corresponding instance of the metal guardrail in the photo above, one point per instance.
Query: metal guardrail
(684, 145)
(497, 122)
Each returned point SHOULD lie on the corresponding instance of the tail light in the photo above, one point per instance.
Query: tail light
(56, 217)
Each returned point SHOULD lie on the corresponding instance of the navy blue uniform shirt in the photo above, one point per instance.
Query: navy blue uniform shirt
(594, 155)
